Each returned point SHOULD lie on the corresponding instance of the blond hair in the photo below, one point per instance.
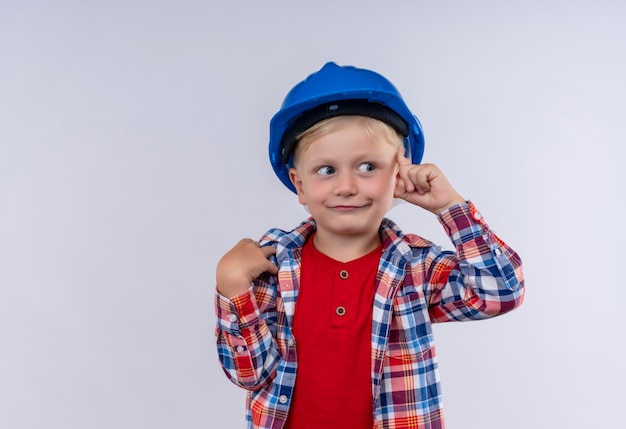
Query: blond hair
(370, 126)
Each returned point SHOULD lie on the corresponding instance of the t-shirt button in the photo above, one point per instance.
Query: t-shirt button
(340, 311)
(283, 399)
(343, 274)
(232, 318)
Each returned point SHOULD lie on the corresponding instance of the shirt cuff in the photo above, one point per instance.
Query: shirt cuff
(237, 313)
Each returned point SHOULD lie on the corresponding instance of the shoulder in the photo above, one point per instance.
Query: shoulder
(392, 235)
(289, 239)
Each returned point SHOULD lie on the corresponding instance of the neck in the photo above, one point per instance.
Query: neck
(345, 248)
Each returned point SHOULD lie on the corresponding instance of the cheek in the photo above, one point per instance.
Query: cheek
(386, 185)
(312, 190)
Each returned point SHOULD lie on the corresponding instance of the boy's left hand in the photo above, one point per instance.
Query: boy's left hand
(425, 186)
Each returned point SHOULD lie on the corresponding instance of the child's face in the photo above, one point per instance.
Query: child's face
(347, 179)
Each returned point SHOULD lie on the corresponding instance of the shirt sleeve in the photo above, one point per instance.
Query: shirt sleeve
(246, 346)
(482, 278)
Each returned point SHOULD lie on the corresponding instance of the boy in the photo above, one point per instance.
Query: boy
(329, 325)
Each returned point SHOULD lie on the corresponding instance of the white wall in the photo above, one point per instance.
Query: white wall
(133, 155)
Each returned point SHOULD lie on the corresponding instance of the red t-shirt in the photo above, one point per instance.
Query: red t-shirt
(332, 327)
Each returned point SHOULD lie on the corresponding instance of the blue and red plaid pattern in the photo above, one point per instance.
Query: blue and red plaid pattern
(418, 283)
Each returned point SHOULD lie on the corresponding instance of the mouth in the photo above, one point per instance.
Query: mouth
(346, 208)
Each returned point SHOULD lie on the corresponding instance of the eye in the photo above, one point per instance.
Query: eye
(326, 170)
(366, 167)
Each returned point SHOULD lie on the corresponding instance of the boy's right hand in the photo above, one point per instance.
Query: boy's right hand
(241, 265)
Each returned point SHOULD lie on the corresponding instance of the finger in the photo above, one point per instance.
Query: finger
(422, 181)
(402, 160)
(247, 242)
(268, 250)
(271, 268)
(400, 188)
(405, 174)
(419, 181)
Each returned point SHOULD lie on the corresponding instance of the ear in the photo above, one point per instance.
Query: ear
(295, 178)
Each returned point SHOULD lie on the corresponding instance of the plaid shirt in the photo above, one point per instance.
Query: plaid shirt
(418, 283)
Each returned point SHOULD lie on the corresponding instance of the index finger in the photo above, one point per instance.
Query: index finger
(402, 160)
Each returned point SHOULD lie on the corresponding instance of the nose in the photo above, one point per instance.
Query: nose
(345, 184)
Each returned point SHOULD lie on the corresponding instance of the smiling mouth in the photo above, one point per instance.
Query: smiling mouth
(346, 208)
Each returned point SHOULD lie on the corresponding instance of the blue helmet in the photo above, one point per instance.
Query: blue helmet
(335, 91)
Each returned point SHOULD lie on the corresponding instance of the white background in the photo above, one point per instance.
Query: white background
(133, 154)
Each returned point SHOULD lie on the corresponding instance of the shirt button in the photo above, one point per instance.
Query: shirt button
(240, 349)
(340, 311)
(343, 274)
(290, 342)
(232, 318)
(477, 216)
(283, 399)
